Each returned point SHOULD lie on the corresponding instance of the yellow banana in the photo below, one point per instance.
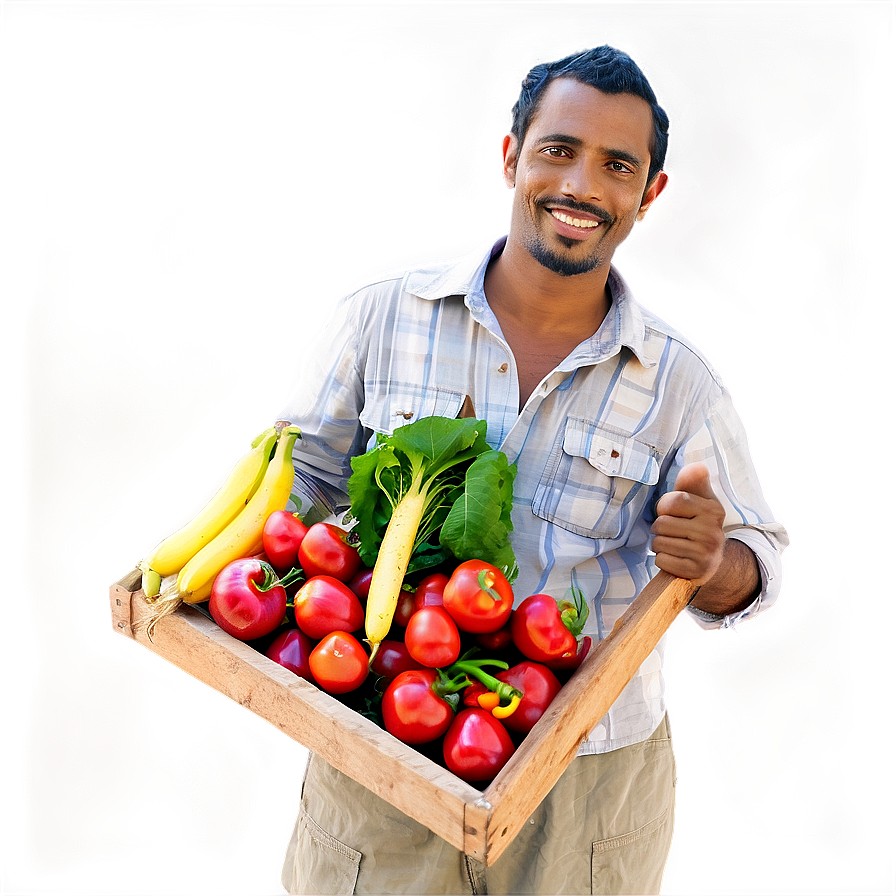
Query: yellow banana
(172, 554)
(241, 537)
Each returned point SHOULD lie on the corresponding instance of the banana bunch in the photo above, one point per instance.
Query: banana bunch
(227, 528)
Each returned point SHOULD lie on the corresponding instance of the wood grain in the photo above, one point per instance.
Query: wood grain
(481, 824)
(346, 739)
(585, 699)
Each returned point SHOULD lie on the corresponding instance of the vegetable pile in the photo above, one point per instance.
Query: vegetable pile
(407, 614)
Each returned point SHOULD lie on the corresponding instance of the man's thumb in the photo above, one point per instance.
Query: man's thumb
(694, 478)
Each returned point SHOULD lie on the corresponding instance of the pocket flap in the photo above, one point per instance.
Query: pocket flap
(386, 412)
(611, 453)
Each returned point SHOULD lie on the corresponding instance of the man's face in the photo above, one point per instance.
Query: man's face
(580, 176)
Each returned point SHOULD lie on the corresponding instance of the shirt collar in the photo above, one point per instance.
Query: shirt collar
(623, 326)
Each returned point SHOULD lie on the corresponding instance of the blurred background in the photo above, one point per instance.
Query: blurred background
(186, 188)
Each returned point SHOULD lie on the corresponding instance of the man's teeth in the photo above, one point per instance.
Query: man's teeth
(575, 222)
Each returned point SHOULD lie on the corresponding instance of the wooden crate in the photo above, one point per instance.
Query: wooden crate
(480, 823)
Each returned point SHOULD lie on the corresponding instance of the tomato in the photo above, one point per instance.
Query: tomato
(476, 746)
(413, 709)
(497, 640)
(291, 649)
(247, 599)
(430, 590)
(339, 663)
(282, 534)
(432, 637)
(568, 664)
(360, 582)
(478, 597)
(393, 658)
(539, 686)
(325, 551)
(539, 632)
(404, 609)
(324, 604)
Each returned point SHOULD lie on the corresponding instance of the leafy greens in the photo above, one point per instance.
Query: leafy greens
(466, 486)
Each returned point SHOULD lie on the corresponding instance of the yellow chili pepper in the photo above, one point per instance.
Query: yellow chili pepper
(489, 700)
(502, 712)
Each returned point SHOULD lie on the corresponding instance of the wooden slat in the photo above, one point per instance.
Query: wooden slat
(480, 824)
(347, 740)
(477, 821)
(585, 699)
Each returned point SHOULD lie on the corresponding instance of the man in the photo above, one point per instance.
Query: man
(626, 442)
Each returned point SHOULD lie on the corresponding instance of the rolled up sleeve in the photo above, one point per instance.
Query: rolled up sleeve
(720, 442)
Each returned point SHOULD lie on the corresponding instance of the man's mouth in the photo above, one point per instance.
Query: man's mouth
(572, 221)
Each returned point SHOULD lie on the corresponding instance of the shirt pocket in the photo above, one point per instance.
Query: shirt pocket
(385, 412)
(596, 481)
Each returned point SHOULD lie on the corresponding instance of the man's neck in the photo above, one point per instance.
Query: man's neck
(521, 289)
(543, 315)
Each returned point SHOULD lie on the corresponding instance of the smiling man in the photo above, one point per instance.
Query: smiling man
(629, 453)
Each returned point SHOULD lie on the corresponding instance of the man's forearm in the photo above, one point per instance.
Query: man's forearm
(735, 584)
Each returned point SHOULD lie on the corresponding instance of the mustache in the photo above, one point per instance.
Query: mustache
(575, 206)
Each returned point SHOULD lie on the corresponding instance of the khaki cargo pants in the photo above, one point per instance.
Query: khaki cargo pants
(605, 827)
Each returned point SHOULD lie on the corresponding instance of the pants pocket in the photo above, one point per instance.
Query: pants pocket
(321, 863)
(633, 862)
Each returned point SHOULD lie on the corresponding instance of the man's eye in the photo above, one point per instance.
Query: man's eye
(555, 152)
(621, 167)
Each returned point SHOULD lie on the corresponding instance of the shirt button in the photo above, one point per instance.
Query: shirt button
(503, 368)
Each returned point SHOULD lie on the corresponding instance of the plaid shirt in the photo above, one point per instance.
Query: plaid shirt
(597, 443)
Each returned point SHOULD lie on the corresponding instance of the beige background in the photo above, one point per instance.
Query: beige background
(184, 190)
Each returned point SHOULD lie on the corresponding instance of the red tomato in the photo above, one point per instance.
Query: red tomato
(393, 658)
(404, 609)
(413, 710)
(498, 640)
(478, 597)
(360, 583)
(339, 663)
(282, 534)
(324, 604)
(247, 600)
(538, 630)
(539, 686)
(291, 650)
(430, 590)
(432, 637)
(324, 551)
(476, 746)
(568, 664)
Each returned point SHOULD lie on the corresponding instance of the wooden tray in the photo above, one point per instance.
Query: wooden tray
(480, 823)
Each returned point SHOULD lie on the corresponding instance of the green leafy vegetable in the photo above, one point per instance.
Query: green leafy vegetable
(434, 489)
(468, 489)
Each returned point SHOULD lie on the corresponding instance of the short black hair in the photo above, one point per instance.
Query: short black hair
(605, 68)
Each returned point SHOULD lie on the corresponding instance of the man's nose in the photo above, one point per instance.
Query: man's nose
(583, 182)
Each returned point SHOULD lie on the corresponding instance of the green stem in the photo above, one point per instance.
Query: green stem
(448, 688)
(296, 574)
(573, 613)
(474, 669)
(270, 577)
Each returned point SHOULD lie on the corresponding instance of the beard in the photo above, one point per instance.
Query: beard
(562, 263)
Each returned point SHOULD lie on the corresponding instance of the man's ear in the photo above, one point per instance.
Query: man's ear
(509, 149)
(656, 186)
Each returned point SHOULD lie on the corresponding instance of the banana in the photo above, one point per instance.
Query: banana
(172, 554)
(241, 537)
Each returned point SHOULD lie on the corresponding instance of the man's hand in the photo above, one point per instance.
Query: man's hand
(689, 543)
(688, 538)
